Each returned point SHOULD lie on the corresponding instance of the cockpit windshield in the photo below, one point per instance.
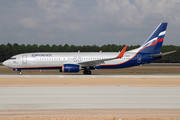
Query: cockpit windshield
(12, 58)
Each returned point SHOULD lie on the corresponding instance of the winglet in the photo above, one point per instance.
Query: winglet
(122, 52)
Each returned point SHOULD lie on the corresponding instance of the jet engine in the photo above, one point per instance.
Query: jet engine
(70, 68)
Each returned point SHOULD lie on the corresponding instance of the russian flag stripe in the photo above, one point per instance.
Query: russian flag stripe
(162, 36)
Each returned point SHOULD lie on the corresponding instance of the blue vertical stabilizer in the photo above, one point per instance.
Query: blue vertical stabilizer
(154, 43)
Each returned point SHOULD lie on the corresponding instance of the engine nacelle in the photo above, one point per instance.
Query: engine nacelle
(70, 68)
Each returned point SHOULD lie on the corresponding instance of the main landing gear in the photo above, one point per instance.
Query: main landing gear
(87, 72)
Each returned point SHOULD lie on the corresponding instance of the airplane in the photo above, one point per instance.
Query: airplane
(87, 61)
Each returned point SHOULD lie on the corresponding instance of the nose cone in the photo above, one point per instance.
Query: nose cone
(5, 63)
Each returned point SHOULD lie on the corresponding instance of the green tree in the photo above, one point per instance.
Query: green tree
(21, 49)
(55, 48)
(60, 48)
(67, 48)
(42, 48)
(34, 48)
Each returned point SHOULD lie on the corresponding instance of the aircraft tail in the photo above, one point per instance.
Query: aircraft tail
(154, 43)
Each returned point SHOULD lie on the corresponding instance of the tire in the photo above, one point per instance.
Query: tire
(20, 73)
(87, 72)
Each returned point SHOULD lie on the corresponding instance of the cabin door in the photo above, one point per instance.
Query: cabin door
(24, 59)
(138, 58)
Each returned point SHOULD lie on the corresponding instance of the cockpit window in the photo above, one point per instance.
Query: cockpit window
(12, 58)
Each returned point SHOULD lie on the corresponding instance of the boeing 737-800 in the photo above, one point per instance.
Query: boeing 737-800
(87, 61)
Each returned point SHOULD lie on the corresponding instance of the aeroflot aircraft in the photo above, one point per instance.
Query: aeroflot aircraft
(87, 61)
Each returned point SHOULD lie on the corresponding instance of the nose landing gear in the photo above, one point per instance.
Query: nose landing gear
(20, 73)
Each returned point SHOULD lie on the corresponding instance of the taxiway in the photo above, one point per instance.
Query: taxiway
(96, 97)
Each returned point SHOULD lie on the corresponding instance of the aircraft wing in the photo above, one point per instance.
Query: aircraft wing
(101, 61)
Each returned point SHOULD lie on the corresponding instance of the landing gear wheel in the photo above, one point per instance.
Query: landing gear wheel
(20, 73)
(87, 72)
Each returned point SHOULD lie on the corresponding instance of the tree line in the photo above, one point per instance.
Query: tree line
(6, 51)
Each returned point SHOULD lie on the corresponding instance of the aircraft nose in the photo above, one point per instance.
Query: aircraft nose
(5, 63)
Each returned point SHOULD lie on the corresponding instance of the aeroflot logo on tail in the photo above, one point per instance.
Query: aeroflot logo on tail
(41, 55)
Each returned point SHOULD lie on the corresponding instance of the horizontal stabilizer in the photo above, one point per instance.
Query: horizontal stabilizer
(162, 54)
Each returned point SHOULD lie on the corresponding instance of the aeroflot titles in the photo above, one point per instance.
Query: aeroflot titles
(41, 55)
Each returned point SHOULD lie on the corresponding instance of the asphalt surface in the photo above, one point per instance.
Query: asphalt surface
(89, 76)
(98, 97)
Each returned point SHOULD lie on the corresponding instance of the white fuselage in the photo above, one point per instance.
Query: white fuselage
(55, 59)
